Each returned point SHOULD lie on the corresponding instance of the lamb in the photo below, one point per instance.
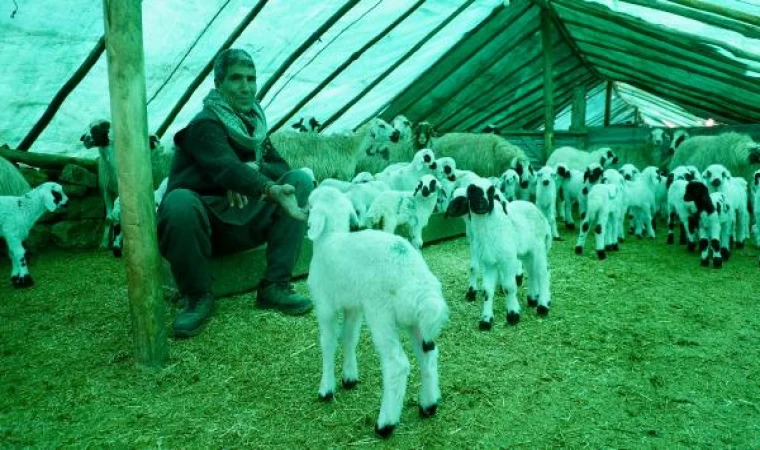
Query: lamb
(308, 124)
(546, 196)
(527, 187)
(679, 137)
(756, 207)
(12, 182)
(509, 182)
(580, 160)
(719, 179)
(570, 191)
(485, 154)
(680, 209)
(629, 172)
(732, 150)
(362, 195)
(603, 214)
(612, 176)
(716, 222)
(404, 176)
(642, 202)
(336, 155)
(445, 172)
(18, 214)
(381, 277)
(412, 210)
(404, 127)
(423, 134)
(506, 237)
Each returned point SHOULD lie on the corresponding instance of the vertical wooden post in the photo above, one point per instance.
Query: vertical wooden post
(546, 42)
(578, 118)
(126, 84)
(608, 104)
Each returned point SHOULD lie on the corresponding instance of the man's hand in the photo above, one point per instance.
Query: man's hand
(285, 196)
(236, 200)
(253, 165)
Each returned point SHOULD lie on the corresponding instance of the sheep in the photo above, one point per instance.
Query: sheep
(404, 127)
(527, 187)
(115, 217)
(362, 195)
(680, 209)
(308, 124)
(445, 172)
(580, 160)
(335, 155)
(509, 182)
(716, 221)
(756, 207)
(18, 214)
(629, 172)
(642, 202)
(732, 150)
(506, 236)
(603, 213)
(12, 182)
(412, 210)
(570, 183)
(719, 179)
(612, 176)
(546, 196)
(380, 276)
(423, 134)
(485, 154)
(679, 137)
(404, 176)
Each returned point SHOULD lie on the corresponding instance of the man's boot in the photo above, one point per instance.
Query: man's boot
(189, 322)
(282, 298)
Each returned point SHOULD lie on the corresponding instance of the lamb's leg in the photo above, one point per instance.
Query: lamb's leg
(389, 224)
(20, 277)
(107, 231)
(489, 285)
(417, 237)
(600, 237)
(582, 236)
(509, 285)
(328, 340)
(395, 369)
(352, 325)
(538, 282)
(743, 227)
(568, 204)
(553, 221)
(648, 220)
(430, 392)
(117, 247)
(671, 227)
(472, 289)
(725, 242)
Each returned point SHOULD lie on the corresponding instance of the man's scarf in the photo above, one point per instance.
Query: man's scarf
(237, 124)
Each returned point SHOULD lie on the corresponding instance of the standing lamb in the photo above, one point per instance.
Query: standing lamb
(570, 182)
(381, 277)
(546, 196)
(603, 213)
(716, 222)
(719, 179)
(18, 215)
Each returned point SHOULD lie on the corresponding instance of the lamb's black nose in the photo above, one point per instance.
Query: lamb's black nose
(546, 183)
(524, 184)
(715, 182)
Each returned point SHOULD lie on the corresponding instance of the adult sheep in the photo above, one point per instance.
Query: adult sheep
(11, 181)
(732, 150)
(576, 159)
(488, 155)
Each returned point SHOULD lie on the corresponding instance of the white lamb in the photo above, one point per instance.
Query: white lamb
(445, 171)
(570, 182)
(679, 209)
(362, 195)
(602, 213)
(509, 182)
(719, 179)
(546, 196)
(756, 207)
(392, 209)
(642, 200)
(381, 277)
(716, 222)
(18, 215)
(505, 238)
(580, 159)
(629, 172)
(404, 176)
(527, 187)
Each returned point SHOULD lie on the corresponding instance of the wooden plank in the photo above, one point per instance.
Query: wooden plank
(125, 56)
(546, 40)
(715, 8)
(607, 103)
(47, 160)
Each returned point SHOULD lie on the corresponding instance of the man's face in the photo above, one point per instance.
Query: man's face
(239, 87)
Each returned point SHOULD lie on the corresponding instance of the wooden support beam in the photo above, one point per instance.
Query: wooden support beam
(354, 56)
(715, 8)
(47, 160)
(578, 117)
(395, 65)
(546, 47)
(315, 36)
(126, 85)
(208, 67)
(61, 95)
(607, 103)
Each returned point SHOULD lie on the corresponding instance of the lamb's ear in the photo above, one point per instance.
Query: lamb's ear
(458, 206)
(317, 222)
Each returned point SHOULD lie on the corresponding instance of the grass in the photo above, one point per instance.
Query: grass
(643, 350)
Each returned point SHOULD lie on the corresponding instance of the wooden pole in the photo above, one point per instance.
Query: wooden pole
(126, 84)
(47, 160)
(546, 45)
(607, 104)
(578, 118)
(61, 95)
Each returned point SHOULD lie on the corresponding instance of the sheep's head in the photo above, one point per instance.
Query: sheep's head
(652, 175)
(508, 182)
(97, 135)
(53, 196)
(424, 158)
(308, 124)
(629, 172)
(524, 170)
(427, 186)
(697, 192)
(423, 134)
(404, 127)
(546, 175)
(329, 212)
(607, 157)
(480, 196)
(754, 153)
(446, 168)
(678, 138)
(715, 175)
(658, 136)
(756, 183)
(363, 177)
(381, 133)
(593, 173)
(490, 129)
(612, 176)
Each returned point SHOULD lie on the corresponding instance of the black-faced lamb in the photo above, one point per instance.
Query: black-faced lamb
(602, 213)
(683, 211)
(381, 277)
(404, 176)
(570, 182)
(719, 179)
(716, 222)
(18, 214)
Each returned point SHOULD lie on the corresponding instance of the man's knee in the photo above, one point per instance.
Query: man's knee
(302, 181)
(181, 206)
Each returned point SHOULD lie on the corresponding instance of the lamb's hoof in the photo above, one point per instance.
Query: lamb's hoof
(349, 384)
(22, 282)
(739, 245)
(704, 262)
(513, 317)
(608, 247)
(671, 239)
(327, 397)
(621, 240)
(578, 250)
(570, 226)
(486, 325)
(518, 280)
(532, 302)
(471, 294)
(639, 236)
(601, 254)
(691, 246)
(717, 263)
(542, 311)
(725, 253)
(117, 252)
(558, 238)
(615, 248)
(429, 411)
(384, 432)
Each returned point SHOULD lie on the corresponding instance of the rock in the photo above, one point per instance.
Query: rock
(79, 176)
(78, 234)
(34, 176)
(89, 207)
(74, 190)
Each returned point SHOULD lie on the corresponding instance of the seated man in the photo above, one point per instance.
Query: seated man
(229, 190)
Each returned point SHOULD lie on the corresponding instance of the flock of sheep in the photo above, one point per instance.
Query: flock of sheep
(378, 187)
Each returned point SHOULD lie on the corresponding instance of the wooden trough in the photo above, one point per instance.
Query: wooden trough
(241, 272)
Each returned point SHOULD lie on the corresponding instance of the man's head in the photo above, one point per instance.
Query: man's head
(235, 77)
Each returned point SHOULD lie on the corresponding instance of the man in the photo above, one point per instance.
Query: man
(229, 190)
